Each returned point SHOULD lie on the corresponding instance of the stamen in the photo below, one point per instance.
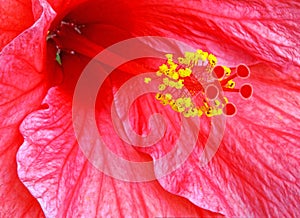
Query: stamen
(147, 80)
(193, 70)
(68, 39)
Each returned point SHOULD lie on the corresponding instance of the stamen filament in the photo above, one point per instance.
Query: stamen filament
(225, 81)
(78, 42)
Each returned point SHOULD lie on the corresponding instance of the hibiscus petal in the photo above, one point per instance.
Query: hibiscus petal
(244, 31)
(251, 31)
(12, 13)
(149, 18)
(55, 170)
(23, 87)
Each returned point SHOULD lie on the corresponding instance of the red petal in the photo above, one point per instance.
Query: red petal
(234, 31)
(239, 32)
(23, 86)
(12, 13)
(55, 170)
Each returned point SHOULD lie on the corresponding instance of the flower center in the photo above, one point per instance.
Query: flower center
(68, 39)
(192, 72)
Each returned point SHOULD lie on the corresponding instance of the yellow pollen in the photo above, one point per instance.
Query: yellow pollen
(169, 56)
(158, 96)
(175, 76)
(168, 96)
(161, 87)
(227, 70)
(203, 55)
(158, 73)
(230, 84)
(147, 80)
(212, 60)
(178, 79)
(166, 81)
(226, 100)
(217, 103)
(163, 68)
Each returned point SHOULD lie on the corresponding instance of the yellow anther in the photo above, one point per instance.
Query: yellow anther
(147, 80)
(212, 59)
(188, 71)
(170, 62)
(200, 112)
(182, 61)
(226, 100)
(210, 112)
(158, 73)
(203, 108)
(193, 112)
(161, 87)
(187, 102)
(180, 108)
(181, 72)
(173, 66)
(163, 68)
(189, 56)
(217, 103)
(213, 112)
(179, 85)
(203, 55)
(199, 51)
(175, 108)
(230, 84)
(179, 101)
(172, 84)
(164, 101)
(173, 105)
(168, 96)
(227, 70)
(197, 56)
(169, 73)
(169, 56)
(185, 72)
(205, 104)
(158, 96)
(187, 113)
(175, 76)
(166, 81)
(219, 111)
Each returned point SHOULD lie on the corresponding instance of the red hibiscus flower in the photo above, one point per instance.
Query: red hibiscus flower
(45, 47)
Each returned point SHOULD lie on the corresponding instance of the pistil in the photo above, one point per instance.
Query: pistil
(191, 72)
